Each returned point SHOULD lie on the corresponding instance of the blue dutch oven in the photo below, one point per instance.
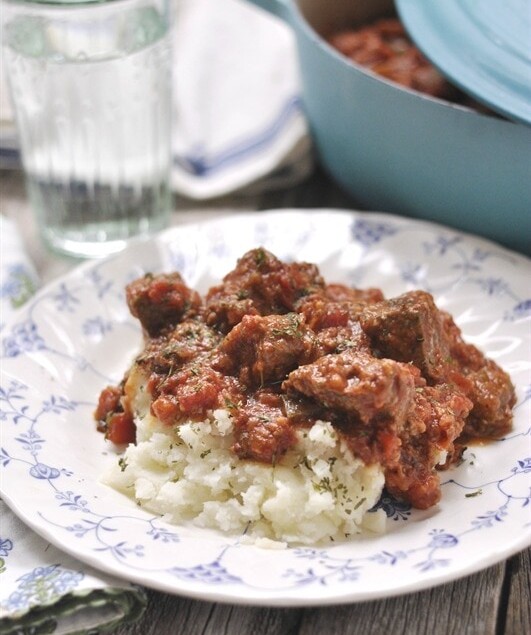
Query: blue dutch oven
(397, 150)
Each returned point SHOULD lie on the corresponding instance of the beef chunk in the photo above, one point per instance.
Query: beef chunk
(161, 301)
(409, 329)
(336, 305)
(188, 393)
(335, 322)
(264, 349)
(187, 340)
(440, 412)
(493, 396)
(484, 382)
(321, 313)
(340, 292)
(357, 383)
(260, 284)
(262, 432)
(335, 339)
(435, 420)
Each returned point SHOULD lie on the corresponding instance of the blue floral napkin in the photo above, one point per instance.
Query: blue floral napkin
(43, 590)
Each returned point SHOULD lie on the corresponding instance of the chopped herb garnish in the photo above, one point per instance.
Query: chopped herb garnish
(323, 485)
(290, 330)
(260, 257)
(359, 503)
(229, 404)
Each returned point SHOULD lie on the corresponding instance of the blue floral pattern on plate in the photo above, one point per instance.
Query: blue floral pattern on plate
(76, 335)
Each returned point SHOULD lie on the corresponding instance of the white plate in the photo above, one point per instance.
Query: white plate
(76, 336)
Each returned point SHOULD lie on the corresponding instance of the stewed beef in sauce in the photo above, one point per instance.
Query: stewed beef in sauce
(384, 47)
(279, 348)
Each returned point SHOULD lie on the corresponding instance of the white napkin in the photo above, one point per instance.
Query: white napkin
(238, 112)
(43, 590)
(238, 117)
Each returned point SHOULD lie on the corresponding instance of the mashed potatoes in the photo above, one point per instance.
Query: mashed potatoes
(317, 492)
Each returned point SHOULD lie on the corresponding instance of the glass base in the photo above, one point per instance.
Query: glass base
(93, 222)
(99, 242)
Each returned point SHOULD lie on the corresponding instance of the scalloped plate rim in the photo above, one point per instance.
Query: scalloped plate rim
(263, 597)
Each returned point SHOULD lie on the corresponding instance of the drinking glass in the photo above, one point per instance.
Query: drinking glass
(90, 85)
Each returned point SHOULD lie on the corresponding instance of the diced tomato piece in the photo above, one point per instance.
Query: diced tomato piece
(121, 428)
(108, 402)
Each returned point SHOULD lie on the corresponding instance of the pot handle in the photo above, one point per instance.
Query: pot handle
(280, 8)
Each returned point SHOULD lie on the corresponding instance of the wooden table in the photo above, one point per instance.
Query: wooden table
(493, 602)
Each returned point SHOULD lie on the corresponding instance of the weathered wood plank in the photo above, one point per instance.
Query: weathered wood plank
(466, 607)
(256, 620)
(518, 602)
(169, 614)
